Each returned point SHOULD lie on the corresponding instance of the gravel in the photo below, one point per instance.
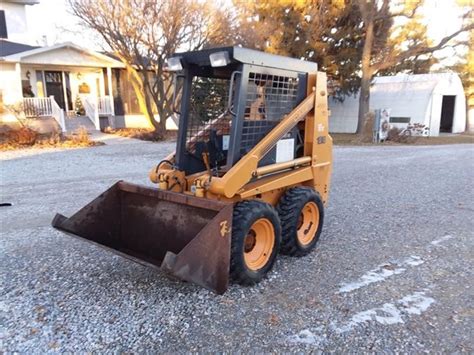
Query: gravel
(393, 271)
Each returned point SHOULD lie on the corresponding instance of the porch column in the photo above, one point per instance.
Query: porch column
(18, 88)
(111, 95)
(66, 103)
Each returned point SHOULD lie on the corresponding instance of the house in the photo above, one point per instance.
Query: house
(65, 82)
(435, 100)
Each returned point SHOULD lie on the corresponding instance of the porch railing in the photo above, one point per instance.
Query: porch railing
(44, 107)
(58, 113)
(105, 105)
(92, 110)
(37, 106)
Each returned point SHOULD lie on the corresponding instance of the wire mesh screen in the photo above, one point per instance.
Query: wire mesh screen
(269, 98)
(207, 114)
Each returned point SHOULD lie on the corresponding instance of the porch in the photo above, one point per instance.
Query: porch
(94, 109)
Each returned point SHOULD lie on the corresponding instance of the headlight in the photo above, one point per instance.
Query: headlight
(219, 59)
(174, 64)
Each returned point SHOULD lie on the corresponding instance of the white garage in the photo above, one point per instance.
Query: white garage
(435, 100)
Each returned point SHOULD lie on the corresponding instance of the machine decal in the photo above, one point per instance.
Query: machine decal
(224, 228)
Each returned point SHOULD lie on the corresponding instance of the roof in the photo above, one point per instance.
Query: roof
(29, 55)
(9, 48)
(411, 78)
(414, 84)
(23, 2)
(249, 56)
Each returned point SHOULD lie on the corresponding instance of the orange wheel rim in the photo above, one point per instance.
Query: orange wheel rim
(308, 223)
(258, 244)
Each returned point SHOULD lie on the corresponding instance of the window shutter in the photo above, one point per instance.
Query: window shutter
(3, 25)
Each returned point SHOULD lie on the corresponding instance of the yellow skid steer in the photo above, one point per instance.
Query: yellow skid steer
(249, 177)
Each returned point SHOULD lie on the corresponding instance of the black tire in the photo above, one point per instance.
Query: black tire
(289, 210)
(246, 213)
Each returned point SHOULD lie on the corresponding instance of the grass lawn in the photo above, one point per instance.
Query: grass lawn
(352, 139)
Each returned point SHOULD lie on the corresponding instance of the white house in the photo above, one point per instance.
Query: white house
(435, 100)
(50, 79)
(56, 81)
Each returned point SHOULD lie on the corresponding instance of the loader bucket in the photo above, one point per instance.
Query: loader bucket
(188, 237)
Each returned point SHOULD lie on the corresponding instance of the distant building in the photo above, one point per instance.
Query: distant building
(436, 100)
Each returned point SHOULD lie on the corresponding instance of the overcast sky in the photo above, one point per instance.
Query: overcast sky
(52, 19)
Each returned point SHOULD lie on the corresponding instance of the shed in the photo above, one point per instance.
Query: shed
(435, 100)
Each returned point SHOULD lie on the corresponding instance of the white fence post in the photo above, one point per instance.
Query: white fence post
(111, 103)
(61, 119)
(96, 114)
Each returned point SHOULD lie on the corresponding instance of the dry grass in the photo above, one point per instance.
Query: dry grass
(24, 137)
(464, 138)
(353, 139)
(143, 134)
(395, 135)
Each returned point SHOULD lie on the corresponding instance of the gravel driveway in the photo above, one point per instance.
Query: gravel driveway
(393, 271)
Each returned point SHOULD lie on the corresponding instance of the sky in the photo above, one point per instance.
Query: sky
(441, 16)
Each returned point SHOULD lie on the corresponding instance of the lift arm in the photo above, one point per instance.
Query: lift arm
(242, 172)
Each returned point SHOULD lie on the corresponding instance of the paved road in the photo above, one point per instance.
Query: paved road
(393, 271)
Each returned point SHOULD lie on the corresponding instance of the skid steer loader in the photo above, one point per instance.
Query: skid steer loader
(249, 177)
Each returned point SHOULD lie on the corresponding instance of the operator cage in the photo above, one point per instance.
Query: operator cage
(228, 99)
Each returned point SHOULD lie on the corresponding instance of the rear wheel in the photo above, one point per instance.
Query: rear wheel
(256, 235)
(301, 213)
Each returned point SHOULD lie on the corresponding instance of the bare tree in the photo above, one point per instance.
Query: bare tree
(377, 59)
(143, 33)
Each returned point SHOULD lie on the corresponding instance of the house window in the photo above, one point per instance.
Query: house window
(3, 25)
(53, 77)
(39, 84)
(400, 119)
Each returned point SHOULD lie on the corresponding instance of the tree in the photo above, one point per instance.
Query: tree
(412, 33)
(351, 40)
(323, 31)
(143, 33)
(464, 67)
(375, 60)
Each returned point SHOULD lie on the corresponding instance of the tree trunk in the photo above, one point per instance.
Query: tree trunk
(163, 116)
(158, 98)
(364, 98)
(470, 117)
(143, 100)
(364, 102)
(161, 98)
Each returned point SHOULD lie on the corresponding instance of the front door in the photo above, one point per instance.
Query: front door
(54, 86)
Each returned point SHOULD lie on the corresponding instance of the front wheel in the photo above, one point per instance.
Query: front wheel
(256, 235)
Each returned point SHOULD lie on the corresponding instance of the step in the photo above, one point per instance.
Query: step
(74, 123)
